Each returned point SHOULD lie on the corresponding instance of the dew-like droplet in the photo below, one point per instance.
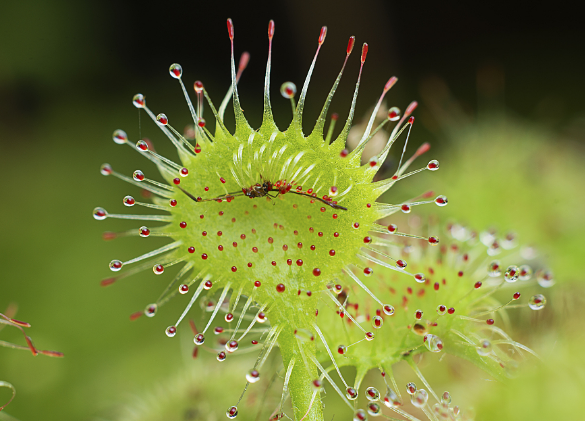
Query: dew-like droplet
(171, 331)
(138, 175)
(509, 241)
(231, 346)
(545, 278)
(405, 208)
(401, 264)
(372, 394)
(176, 70)
(537, 302)
(433, 343)
(484, 348)
(183, 289)
(411, 388)
(162, 119)
(199, 339)
(129, 201)
(374, 409)
(494, 249)
(394, 114)
(144, 232)
(420, 398)
(441, 309)
(360, 415)
(116, 265)
(221, 356)
(317, 385)
(419, 277)
(433, 166)
(370, 336)
(106, 169)
(511, 274)
(232, 412)
(433, 241)
(377, 322)
(158, 269)
(150, 310)
(391, 400)
(446, 398)
(100, 214)
(341, 349)
(351, 393)
(288, 90)
(253, 376)
(139, 101)
(388, 309)
(120, 137)
(142, 145)
(494, 269)
(261, 317)
(392, 228)
(441, 200)
(525, 273)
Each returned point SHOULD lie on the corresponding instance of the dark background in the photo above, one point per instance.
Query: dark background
(68, 71)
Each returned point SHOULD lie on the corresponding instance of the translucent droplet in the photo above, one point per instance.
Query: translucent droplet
(221, 356)
(388, 310)
(231, 346)
(138, 175)
(288, 90)
(360, 415)
(441, 200)
(374, 409)
(351, 393)
(545, 279)
(537, 302)
(487, 237)
(370, 336)
(176, 70)
(446, 398)
(401, 264)
(419, 277)
(171, 331)
(144, 232)
(120, 137)
(509, 241)
(525, 273)
(139, 101)
(232, 412)
(261, 317)
(253, 376)
(150, 310)
(158, 269)
(377, 322)
(106, 169)
(420, 398)
(512, 274)
(391, 400)
(303, 335)
(494, 249)
(162, 119)
(199, 339)
(494, 269)
(433, 343)
(372, 394)
(394, 114)
(433, 165)
(129, 201)
(441, 309)
(142, 145)
(115, 265)
(411, 388)
(484, 348)
(100, 214)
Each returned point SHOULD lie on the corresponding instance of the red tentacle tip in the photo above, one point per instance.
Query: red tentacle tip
(244, 59)
(322, 35)
(230, 27)
(423, 148)
(411, 120)
(391, 82)
(334, 116)
(270, 29)
(52, 353)
(20, 323)
(364, 52)
(108, 235)
(430, 193)
(350, 44)
(136, 315)
(108, 281)
(411, 107)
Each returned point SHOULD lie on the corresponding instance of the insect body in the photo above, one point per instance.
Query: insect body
(264, 190)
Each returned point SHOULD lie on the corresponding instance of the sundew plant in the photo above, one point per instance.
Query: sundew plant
(278, 239)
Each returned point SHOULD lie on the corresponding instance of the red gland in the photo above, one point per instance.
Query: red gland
(516, 295)
(299, 262)
(451, 310)
(317, 272)
(478, 285)
(191, 249)
(177, 180)
(173, 202)
(234, 269)
(257, 284)
(367, 240)
(183, 224)
(490, 321)
(280, 288)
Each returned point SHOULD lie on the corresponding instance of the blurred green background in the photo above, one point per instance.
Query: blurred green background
(500, 88)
